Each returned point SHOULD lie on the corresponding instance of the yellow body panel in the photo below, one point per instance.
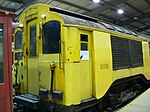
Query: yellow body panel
(78, 73)
(71, 69)
(23, 78)
(33, 86)
(146, 57)
(123, 73)
(85, 79)
(32, 61)
(72, 84)
(44, 73)
(86, 69)
(102, 63)
(72, 44)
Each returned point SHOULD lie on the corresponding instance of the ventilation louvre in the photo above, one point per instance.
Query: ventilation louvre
(126, 53)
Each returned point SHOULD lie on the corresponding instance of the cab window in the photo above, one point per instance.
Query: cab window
(33, 41)
(18, 40)
(51, 37)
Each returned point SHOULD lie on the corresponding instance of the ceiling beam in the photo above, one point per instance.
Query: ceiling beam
(71, 4)
(129, 5)
(148, 1)
(134, 28)
(7, 9)
(16, 1)
(26, 4)
(143, 28)
(21, 9)
(138, 18)
(112, 20)
(101, 8)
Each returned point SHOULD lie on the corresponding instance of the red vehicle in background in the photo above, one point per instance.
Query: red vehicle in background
(6, 100)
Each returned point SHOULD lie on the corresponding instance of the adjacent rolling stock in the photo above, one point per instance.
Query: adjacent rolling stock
(69, 62)
(6, 102)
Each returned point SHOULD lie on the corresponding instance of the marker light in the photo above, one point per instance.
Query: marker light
(120, 11)
(96, 1)
(20, 25)
(43, 15)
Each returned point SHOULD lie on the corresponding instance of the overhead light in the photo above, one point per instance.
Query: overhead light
(135, 18)
(96, 1)
(120, 11)
(13, 4)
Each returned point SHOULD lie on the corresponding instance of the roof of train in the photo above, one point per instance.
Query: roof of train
(83, 20)
(103, 26)
(79, 19)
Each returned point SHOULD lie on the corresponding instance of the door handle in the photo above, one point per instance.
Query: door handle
(27, 52)
(60, 52)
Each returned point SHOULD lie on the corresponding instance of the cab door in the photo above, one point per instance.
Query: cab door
(32, 57)
(5, 65)
(85, 64)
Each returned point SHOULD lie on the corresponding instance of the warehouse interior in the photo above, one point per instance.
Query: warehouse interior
(136, 14)
(74, 55)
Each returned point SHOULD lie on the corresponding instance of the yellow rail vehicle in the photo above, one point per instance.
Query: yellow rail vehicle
(69, 62)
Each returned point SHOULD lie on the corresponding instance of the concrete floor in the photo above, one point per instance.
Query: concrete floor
(140, 104)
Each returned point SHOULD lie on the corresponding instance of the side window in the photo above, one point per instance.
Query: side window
(33, 41)
(18, 40)
(51, 37)
(84, 42)
(19, 56)
(18, 44)
(1, 55)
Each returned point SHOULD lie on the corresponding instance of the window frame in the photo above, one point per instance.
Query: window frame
(48, 47)
(31, 44)
(84, 42)
(18, 47)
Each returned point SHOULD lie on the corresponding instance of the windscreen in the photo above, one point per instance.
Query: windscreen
(51, 37)
(18, 40)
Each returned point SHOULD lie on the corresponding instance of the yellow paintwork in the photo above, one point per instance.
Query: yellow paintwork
(86, 70)
(146, 57)
(32, 64)
(72, 84)
(77, 79)
(102, 76)
(118, 74)
(33, 76)
(72, 46)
